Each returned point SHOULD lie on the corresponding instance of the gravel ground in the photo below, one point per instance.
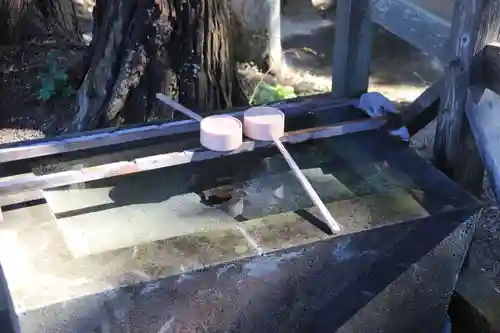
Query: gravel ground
(13, 135)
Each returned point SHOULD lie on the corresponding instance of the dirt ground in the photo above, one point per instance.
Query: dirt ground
(23, 114)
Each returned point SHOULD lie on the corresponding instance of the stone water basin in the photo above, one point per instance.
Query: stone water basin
(234, 244)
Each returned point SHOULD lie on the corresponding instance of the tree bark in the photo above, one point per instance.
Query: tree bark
(60, 18)
(26, 19)
(140, 48)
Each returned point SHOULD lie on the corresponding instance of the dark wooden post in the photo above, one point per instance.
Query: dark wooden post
(491, 66)
(455, 150)
(352, 48)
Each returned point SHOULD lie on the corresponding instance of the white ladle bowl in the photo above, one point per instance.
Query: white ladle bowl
(221, 133)
(264, 123)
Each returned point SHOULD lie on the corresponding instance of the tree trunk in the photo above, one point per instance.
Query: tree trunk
(275, 52)
(259, 30)
(60, 18)
(26, 19)
(139, 48)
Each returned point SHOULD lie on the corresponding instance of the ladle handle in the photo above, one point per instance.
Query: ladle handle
(306, 185)
(179, 107)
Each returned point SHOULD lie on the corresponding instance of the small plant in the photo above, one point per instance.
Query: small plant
(271, 93)
(54, 79)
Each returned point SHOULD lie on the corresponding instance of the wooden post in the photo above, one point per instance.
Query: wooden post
(482, 113)
(352, 48)
(455, 151)
(491, 67)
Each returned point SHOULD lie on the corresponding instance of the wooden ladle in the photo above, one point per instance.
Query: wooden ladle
(266, 123)
(219, 133)
(260, 123)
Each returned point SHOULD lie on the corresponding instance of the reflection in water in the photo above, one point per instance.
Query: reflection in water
(197, 197)
(270, 189)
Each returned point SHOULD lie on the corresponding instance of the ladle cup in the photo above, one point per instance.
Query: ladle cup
(266, 123)
(261, 123)
(218, 133)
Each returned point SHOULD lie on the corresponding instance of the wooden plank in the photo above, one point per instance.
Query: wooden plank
(442, 8)
(415, 24)
(116, 136)
(424, 109)
(471, 23)
(31, 183)
(352, 48)
(425, 100)
(484, 119)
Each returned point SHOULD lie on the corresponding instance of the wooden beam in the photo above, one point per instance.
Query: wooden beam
(483, 113)
(424, 109)
(422, 102)
(416, 25)
(352, 49)
(469, 173)
(471, 23)
(31, 183)
(116, 136)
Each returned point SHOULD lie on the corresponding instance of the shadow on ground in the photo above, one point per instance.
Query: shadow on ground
(395, 62)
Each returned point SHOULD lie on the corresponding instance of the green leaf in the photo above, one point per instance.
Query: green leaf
(267, 87)
(268, 93)
(309, 50)
(285, 92)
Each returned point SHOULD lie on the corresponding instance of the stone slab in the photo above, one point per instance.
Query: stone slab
(159, 205)
(358, 282)
(478, 287)
(42, 249)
